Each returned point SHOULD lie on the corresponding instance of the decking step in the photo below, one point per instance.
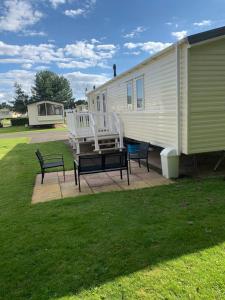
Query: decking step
(104, 144)
(106, 149)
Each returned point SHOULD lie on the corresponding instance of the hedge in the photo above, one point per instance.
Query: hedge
(19, 121)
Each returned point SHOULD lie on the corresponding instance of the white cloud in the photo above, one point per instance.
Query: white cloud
(179, 35)
(80, 81)
(150, 47)
(82, 54)
(77, 64)
(203, 23)
(6, 96)
(34, 33)
(42, 53)
(110, 47)
(85, 50)
(18, 15)
(135, 32)
(56, 3)
(94, 41)
(74, 12)
(27, 66)
(85, 9)
(8, 79)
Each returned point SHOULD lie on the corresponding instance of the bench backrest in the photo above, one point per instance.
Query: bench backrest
(40, 157)
(102, 162)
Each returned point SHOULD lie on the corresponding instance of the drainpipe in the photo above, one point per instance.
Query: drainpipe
(178, 146)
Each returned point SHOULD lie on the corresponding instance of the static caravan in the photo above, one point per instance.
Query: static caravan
(45, 113)
(5, 113)
(175, 99)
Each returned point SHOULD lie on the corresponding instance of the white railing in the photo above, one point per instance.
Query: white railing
(94, 130)
(117, 126)
(94, 124)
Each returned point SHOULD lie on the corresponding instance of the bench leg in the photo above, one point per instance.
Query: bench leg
(121, 174)
(79, 182)
(128, 179)
(42, 176)
(64, 173)
(147, 164)
(130, 165)
(139, 162)
(75, 173)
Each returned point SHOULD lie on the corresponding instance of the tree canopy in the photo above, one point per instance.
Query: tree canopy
(52, 87)
(21, 100)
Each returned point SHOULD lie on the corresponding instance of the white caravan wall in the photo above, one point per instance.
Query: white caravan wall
(157, 122)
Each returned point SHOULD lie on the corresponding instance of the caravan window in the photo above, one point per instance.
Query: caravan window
(53, 109)
(98, 103)
(129, 94)
(48, 109)
(42, 109)
(140, 93)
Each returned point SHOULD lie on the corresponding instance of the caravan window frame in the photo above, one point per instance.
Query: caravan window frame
(98, 103)
(131, 104)
(143, 93)
(50, 109)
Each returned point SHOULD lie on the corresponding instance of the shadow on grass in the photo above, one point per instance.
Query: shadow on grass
(64, 247)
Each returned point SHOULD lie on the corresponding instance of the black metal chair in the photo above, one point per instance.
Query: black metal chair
(97, 163)
(138, 153)
(50, 161)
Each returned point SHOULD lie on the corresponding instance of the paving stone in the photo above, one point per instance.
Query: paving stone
(54, 186)
(69, 189)
(46, 192)
(108, 188)
(133, 185)
(132, 178)
(98, 181)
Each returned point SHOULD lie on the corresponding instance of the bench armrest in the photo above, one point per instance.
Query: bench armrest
(76, 163)
(52, 156)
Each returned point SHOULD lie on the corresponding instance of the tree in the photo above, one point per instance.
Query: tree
(81, 102)
(21, 100)
(50, 86)
(5, 105)
(70, 104)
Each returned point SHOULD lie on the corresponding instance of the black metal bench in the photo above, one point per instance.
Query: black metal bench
(50, 161)
(97, 163)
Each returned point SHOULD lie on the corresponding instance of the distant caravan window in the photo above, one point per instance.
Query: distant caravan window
(48, 109)
(42, 109)
(140, 93)
(129, 95)
(53, 109)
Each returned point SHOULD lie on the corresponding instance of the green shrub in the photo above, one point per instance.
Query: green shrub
(19, 121)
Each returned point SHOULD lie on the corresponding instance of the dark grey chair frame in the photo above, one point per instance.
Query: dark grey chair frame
(83, 164)
(50, 161)
(141, 154)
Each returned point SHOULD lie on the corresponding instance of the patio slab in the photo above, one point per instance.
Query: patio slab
(55, 187)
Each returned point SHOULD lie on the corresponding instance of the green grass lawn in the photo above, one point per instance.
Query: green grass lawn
(160, 243)
(13, 129)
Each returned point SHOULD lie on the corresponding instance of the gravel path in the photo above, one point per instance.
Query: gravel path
(38, 137)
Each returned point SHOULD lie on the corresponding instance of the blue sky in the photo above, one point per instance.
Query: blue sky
(81, 39)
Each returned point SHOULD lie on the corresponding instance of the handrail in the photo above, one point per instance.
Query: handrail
(119, 127)
(87, 124)
(94, 130)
